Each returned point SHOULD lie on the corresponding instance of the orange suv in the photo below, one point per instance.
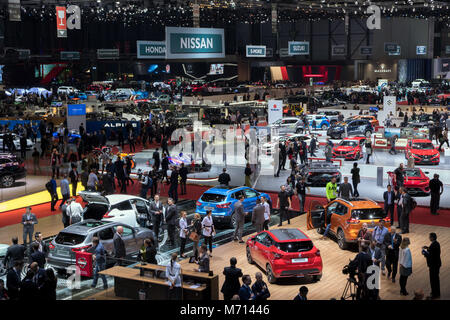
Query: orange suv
(346, 218)
(373, 121)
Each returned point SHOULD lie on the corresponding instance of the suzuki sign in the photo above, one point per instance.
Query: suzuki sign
(194, 43)
(275, 111)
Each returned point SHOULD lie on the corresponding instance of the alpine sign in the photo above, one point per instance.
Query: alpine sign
(194, 43)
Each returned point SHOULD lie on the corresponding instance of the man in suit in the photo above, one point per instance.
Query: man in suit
(433, 255)
(240, 219)
(74, 177)
(245, 292)
(231, 284)
(16, 252)
(183, 172)
(436, 189)
(224, 177)
(156, 211)
(260, 289)
(171, 220)
(302, 294)
(42, 246)
(37, 256)
(28, 221)
(173, 189)
(156, 159)
(406, 209)
(258, 216)
(13, 280)
(393, 241)
(389, 200)
(119, 246)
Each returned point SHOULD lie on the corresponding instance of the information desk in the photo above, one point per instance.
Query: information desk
(211, 282)
(128, 282)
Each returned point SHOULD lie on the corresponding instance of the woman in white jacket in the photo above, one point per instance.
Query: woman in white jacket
(405, 262)
(184, 230)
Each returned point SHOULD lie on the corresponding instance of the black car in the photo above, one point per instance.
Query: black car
(356, 127)
(11, 169)
(319, 173)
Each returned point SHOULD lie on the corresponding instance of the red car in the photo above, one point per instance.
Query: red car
(417, 184)
(423, 151)
(349, 148)
(285, 253)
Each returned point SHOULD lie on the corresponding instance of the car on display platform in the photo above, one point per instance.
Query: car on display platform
(332, 116)
(322, 122)
(319, 173)
(221, 199)
(285, 253)
(12, 168)
(115, 208)
(372, 119)
(423, 151)
(78, 237)
(78, 96)
(345, 218)
(333, 102)
(73, 135)
(268, 148)
(350, 148)
(415, 181)
(16, 141)
(288, 125)
(357, 127)
(67, 90)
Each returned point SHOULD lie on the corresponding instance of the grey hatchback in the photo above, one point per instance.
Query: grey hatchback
(79, 236)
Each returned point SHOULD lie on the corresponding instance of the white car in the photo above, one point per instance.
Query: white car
(114, 207)
(16, 140)
(67, 90)
(288, 125)
(125, 91)
(268, 148)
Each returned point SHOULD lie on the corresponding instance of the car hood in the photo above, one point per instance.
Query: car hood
(344, 148)
(421, 152)
(416, 181)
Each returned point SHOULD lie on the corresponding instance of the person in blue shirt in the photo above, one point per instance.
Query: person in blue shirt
(51, 188)
(100, 263)
(245, 292)
(379, 235)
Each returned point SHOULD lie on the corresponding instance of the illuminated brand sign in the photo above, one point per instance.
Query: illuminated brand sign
(297, 48)
(194, 43)
(255, 51)
(151, 49)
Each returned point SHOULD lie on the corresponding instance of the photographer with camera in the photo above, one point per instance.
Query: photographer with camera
(358, 266)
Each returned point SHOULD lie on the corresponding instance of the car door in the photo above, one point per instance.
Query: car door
(106, 236)
(352, 127)
(315, 216)
(250, 199)
(336, 219)
(129, 238)
(259, 247)
(330, 215)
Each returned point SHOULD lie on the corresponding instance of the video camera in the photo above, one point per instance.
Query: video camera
(350, 269)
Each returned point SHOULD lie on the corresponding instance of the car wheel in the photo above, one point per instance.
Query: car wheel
(299, 130)
(270, 277)
(320, 230)
(233, 221)
(7, 181)
(341, 239)
(324, 127)
(249, 256)
(368, 134)
(317, 278)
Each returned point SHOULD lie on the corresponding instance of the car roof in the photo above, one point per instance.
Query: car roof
(222, 189)
(285, 235)
(83, 228)
(360, 203)
(117, 198)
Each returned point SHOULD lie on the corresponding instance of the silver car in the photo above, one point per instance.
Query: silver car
(78, 237)
(288, 125)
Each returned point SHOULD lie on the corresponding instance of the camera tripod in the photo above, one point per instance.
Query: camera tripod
(350, 290)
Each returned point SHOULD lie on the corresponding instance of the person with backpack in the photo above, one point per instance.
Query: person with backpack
(147, 183)
(51, 188)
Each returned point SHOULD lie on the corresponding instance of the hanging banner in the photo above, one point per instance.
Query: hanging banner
(196, 15)
(14, 10)
(61, 23)
(297, 48)
(275, 111)
(255, 51)
(151, 49)
(194, 43)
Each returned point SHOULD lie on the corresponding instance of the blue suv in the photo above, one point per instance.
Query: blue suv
(221, 199)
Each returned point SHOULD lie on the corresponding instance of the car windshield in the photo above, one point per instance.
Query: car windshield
(212, 197)
(348, 143)
(412, 173)
(423, 146)
(279, 121)
(297, 246)
(368, 214)
(69, 238)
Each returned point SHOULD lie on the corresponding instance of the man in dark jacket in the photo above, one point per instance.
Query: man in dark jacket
(399, 175)
(37, 256)
(183, 172)
(74, 177)
(171, 220)
(16, 252)
(260, 289)
(13, 280)
(393, 241)
(258, 216)
(433, 255)
(245, 292)
(156, 211)
(231, 284)
(165, 167)
(173, 189)
(119, 246)
(389, 201)
(224, 177)
(156, 159)
(436, 189)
